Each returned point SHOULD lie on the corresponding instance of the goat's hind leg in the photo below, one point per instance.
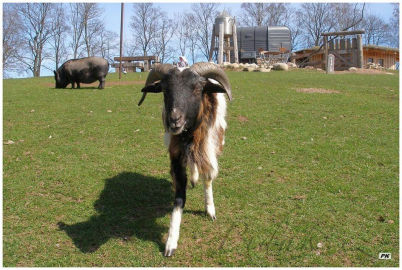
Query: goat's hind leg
(178, 172)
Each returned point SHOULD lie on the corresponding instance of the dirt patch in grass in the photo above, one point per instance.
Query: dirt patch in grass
(317, 90)
(365, 71)
(95, 84)
(242, 119)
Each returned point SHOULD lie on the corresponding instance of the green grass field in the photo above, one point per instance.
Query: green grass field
(313, 183)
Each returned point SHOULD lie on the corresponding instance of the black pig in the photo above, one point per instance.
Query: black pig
(84, 70)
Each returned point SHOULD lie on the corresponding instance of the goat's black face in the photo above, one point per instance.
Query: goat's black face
(182, 97)
(182, 92)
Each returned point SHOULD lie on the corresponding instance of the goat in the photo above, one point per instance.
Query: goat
(194, 121)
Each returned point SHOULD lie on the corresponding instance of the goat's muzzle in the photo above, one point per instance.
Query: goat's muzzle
(177, 122)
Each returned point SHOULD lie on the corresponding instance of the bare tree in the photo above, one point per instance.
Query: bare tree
(394, 25)
(253, 14)
(376, 30)
(12, 38)
(35, 21)
(164, 32)
(60, 32)
(263, 14)
(191, 35)
(92, 27)
(187, 38)
(292, 22)
(144, 25)
(182, 33)
(204, 15)
(77, 27)
(347, 16)
(108, 44)
(317, 18)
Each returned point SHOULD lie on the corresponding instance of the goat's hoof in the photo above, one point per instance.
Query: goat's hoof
(169, 252)
(210, 210)
(211, 216)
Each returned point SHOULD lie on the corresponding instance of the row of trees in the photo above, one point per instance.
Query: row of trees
(35, 33)
(309, 20)
(39, 33)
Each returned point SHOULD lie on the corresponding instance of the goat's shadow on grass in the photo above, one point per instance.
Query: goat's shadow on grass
(129, 205)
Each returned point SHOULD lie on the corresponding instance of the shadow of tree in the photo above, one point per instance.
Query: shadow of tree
(128, 206)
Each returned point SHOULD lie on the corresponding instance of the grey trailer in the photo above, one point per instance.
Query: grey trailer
(252, 40)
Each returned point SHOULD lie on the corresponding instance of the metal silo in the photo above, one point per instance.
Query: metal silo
(224, 34)
(227, 21)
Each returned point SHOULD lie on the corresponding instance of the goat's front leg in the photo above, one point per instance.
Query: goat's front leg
(209, 199)
(178, 171)
(209, 177)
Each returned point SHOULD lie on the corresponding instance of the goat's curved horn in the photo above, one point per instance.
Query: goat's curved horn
(156, 74)
(213, 71)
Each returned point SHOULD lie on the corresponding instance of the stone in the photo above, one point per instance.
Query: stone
(352, 69)
(253, 65)
(281, 66)
(263, 69)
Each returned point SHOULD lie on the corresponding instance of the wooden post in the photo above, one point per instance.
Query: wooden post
(220, 48)
(359, 51)
(235, 48)
(348, 44)
(354, 43)
(343, 44)
(326, 53)
(121, 37)
(212, 44)
(336, 44)
(331, 45)
(146, 65)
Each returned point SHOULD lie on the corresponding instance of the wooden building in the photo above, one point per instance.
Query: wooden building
(382, 56)
(373, 55)
(131, 63)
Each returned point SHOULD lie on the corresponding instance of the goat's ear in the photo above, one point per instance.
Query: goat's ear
(152, 88)
(55, 73)
(212, 86)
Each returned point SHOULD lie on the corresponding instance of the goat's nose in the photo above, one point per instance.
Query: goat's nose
(175, 116)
